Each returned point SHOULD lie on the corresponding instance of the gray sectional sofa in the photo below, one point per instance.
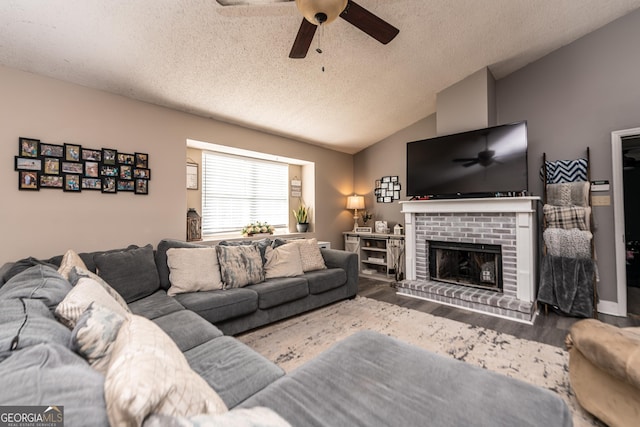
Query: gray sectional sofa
(366, 380)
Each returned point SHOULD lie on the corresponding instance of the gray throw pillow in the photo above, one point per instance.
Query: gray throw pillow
(131, 272)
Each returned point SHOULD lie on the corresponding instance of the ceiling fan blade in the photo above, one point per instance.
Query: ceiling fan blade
(471, 163)
(251, 2)
(361, 18)
(303, 40)
(469, 159)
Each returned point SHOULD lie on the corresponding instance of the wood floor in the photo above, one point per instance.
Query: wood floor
(550, 329)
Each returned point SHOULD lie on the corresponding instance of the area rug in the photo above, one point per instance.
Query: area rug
(292, 342)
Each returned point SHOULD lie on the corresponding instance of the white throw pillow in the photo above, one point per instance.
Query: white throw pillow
(310, 254)
(70, 260)
(283, 261)
(193, 269)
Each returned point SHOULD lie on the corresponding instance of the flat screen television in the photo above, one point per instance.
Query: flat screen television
(480, 163)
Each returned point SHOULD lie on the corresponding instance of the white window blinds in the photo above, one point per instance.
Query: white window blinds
(239, 190)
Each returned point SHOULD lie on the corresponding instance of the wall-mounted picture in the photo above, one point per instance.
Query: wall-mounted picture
(51, 166)
(28, 180)
(72, 167)
(142, 160)
(125, 185)
(109, 156)
(142, 173)
(387, 189)
(51, 181)
(72, 182)
(109, 185)
(91, 184)
(126, 172)
(28, 147)
(107, 170)
(51, 150)
(142, 186)
(91, 155)
(91, 169)
(28, 163)
(72, 152)
(126, 159)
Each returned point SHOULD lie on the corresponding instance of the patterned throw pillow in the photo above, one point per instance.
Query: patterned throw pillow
(70, 260)
(240, 265)
(193, 269)
(94, 335)
(78, 273)
(567, 217)
(148, 373)
(310, 253)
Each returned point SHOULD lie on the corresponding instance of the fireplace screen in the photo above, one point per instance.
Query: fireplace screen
(468, 264)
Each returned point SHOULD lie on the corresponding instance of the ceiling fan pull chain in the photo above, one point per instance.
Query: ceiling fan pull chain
(319, 49)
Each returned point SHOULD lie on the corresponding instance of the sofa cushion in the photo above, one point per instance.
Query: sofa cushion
(78, 273)
(27, 322)
(51, 374)
(324, 280)
(233, 369)
(193, 270)
(87, 257)
(216, 306)
(94, 334)
(155, 305)
(240, 266)
(187, 329)
(254, 417)
(161, 258)
(141, 380)
(131, 272)
(283, 261)
(86, 292)
(38, 282)
(21, 265)
(274, 292)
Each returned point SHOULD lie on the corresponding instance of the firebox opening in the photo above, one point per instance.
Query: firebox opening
(467, 264)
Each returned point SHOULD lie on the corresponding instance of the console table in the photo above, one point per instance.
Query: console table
(380, 256)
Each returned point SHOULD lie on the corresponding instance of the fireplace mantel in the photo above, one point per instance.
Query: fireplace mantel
(520, 211)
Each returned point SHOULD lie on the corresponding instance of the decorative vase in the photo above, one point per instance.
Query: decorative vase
(302, 227)
(194, 225)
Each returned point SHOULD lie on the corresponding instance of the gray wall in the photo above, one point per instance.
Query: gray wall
(572, 98)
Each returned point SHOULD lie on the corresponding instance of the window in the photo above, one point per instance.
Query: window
(238, 190)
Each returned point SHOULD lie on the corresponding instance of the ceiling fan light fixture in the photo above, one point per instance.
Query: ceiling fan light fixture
(321, 11)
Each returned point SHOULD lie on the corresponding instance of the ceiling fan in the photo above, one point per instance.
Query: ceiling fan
(319, 12)
(484, 158)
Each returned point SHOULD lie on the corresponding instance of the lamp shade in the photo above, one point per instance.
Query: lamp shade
(321, 11)
(355, 202)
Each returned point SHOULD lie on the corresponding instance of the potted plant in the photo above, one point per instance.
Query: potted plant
(302, 218)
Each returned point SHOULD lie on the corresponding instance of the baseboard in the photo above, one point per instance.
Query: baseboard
(612, 308)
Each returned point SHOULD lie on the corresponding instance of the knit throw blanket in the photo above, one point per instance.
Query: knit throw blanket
(568, 194)
(567, 283)
(571, 243)
(567, 217)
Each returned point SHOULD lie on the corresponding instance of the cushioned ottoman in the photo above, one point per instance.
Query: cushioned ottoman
(370, 379)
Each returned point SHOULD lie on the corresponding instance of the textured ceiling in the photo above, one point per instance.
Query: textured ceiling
(231, 63)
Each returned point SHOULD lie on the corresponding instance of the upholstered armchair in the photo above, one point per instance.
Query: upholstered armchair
(604, 370)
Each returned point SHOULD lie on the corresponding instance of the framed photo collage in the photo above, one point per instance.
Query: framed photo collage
(71, 167)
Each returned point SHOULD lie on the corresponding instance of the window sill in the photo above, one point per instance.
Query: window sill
(212, 240)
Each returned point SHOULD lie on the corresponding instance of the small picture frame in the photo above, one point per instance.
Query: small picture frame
(109, 170)
(109, 156)
(142, 186)
(51, 150)
(51, 166)
(142, 160)
(141, 173)
(28, 147)
(381, 227)
(109, 185)
(51, 181)
(28, 180)
(125, 185)
(126, 159)
(363, 229)
(192, 177)
(91, 169)
(72, 152)
(91, 183)
(72, 182)
(126, 172)
(89, 154)
(72, 167)
(28, 164)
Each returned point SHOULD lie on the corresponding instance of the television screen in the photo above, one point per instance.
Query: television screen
(477, 163)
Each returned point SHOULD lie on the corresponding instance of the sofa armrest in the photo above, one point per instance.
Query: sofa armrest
(348, 261)
(614, 350)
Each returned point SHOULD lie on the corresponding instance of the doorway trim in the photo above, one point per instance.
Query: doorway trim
(618, 222)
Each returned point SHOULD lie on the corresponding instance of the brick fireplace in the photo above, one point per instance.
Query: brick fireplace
(508, 226)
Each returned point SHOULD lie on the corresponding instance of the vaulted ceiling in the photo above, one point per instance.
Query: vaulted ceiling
(231, 63)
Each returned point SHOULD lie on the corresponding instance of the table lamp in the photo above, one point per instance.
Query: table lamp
(355, 202)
